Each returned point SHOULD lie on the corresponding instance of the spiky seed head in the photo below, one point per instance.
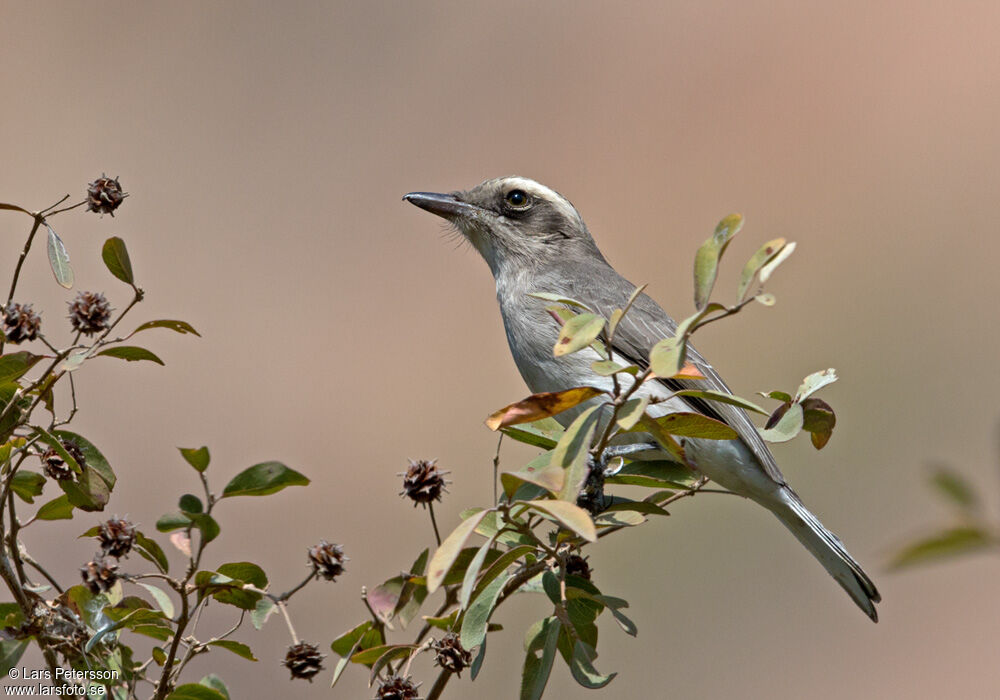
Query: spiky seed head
(327, 560)
(20, 323)
(104, 195)
(89, 313)
(450, 654)
(117, 536)
(304, 660)
(424, 482)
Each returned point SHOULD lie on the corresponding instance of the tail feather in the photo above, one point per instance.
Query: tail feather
(829, 550)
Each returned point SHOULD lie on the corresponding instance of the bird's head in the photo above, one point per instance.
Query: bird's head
(513, 221)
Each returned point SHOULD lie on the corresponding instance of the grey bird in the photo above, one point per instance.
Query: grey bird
(534, 241)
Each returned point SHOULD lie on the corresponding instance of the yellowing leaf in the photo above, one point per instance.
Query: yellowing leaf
(541, 405)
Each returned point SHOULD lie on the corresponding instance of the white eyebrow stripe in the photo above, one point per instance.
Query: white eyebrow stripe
(539, 190)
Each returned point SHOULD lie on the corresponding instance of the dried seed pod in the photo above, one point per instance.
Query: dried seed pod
(117, 537)
(397, 688)
(20, 323)
(89, 313)
(304, 660)
(104, 195)
(450, 654)
(98, 575)
(327, 560)
(423, 482)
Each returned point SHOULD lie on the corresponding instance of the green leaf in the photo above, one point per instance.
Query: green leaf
(11, 652)
(130, 353)
(619, 519)
(115, 256)
(706, 260)
(456, 574)
(477, 662)
(263, 479)
(544, 433)
(215, 683)
(535, 674)
(696, 425)
(578, 333)
(206, 524)
(446, 554)
(572, 451)
(57, 509)
(177, 326)
(819, 420)
(582, 667)
(765, 253)
(345, 643)
(27, 484)
(162, 599)
(148, 549)
(501, 565)
(245, 571)
(16, 364)
(767, 270)
(631, 411)
(197, 458)
(787, 426)
(472, 573)
(59, 260)
(542, 405)
(667, 356)
(722, 397)
(265, 606)
(10, 615)
(958, 540)
(226, 589)
(195, 691)
(656, 474)
(190, 504)
(396, 651)
(540, 471)
(238, 648)
(92, 456)
(606, 368)
(172, 521)
(475, 620)
(75, 360)
(814, 382)
(569, 515)
(644, 507)
(954, 487)
(615, 605)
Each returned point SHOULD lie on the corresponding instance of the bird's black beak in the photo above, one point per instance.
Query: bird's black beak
(445, 205)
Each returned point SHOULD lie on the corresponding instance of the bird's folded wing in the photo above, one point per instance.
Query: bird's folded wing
(646, 324)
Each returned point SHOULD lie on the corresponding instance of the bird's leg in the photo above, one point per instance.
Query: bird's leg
(608, 463)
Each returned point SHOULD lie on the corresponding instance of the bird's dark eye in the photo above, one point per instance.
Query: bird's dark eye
(518, 199)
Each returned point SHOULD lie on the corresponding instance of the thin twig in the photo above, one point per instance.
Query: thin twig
(60, 211)
(288, 621)
(437, 535)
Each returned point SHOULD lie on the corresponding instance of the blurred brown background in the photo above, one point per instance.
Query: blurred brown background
(266, 148)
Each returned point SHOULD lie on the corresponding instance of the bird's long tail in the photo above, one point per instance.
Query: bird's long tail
(828, 549)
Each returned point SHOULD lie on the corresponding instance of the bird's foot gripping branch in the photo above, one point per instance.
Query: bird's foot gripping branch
(534, 538)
